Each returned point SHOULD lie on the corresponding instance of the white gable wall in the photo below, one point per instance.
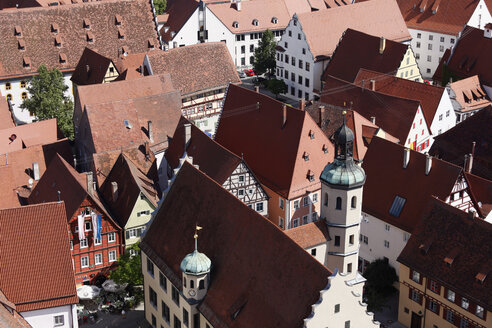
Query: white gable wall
(419, 133)
(188, 34)
(481, 16)
(46, 317)
(445, 117)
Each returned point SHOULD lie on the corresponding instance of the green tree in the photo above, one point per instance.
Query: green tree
(379, 286)
(264, 60)
(129, 269)
(160, 6)
(276, 86)
(48, 100)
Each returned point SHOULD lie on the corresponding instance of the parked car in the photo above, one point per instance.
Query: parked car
(241, 74)
(249, 72)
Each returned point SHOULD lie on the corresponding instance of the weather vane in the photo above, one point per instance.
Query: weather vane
(197, 228)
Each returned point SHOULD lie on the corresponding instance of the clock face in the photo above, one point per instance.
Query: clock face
(192, 293)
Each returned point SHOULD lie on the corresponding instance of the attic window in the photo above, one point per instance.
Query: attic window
(26, 62)
(121, 34)
(21, 44)
(255, 22)
(397, 206)
(449, 259)
(87, 23)
(58, 41)
(90, 36)
(325, 149)
(274, 20)
(151, 44)
(310, 176)
(127, 123)
(117, 19)
(235, 24)
(54, 27)
(63, 58)
(17, 30)
(311, 134)
(124, 50)
(480, 277)
(305, 156)
(424, 247)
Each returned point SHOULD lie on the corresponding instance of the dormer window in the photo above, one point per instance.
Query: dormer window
(235, 24)
(124, 50)
(274, 20)
(305, 156)
(21, 44)
(117, 19)
(325, 149)
(90, 36)
(311, 134)
(26, 62)
(58, 41)
(54, 27)
(87, 23)
(151, 44)
(17, 30)
(255, 22)
(310, 175)
(63, 58)
(121, 34)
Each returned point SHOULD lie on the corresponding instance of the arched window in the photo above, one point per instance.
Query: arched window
(24, 95)
(9, 97)
(201, 284)
(235, 24)
(184, 282)
(23, 84)
(192, 284)
(326, 199)
(8, 86)
(354, 202)
(339, 203)
(255, 22)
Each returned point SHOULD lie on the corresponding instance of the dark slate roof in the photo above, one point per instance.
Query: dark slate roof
(91, 68)
(246, 250)
(448, 230)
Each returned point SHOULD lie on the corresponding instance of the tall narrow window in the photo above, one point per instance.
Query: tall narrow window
(339, 203)
(354, 202)
(326, 199)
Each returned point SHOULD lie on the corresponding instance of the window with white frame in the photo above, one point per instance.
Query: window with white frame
(98, 259)
(112, 256)
(97, 241)
(296, 204)
(416, 276)
(305, 201)
(88, 226)
(111, 237)
(465, 303)
(84, 243)
(295, 223)
(84, 261)
(451, 296)
(259, 207)
(59, 320)
(281, 203)
(479, 312)
(315, 198)
(280, 222)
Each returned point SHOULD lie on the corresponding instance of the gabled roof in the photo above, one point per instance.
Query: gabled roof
(131, 182)
(16, 168)
(324, 28)
(454, 144)
(428, 95)
(27, 135)
(449, 231)
(99, 31)
(28, 265)
(251, 125)
(310, 235)
(195, 68)
(469, 94)
(130, 66)
(387, 179)
(91, 68)
(393, 114)
(6, 119)
(246, 252)
(178, 13)
(72, 185)
(124, 123)
(471, 55)
(481, 193)
(10, 319)
(446, 17)
(212, 159)
(348, 59)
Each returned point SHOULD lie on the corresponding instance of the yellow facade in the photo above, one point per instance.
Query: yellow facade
(408, 67)
(415, 314)
(137, 221)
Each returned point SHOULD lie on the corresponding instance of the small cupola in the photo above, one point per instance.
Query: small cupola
(195, 268)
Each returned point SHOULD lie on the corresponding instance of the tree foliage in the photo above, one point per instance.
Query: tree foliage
(379, 286)
(160, 6)
(264, 60)
(276, 86)
(48, 100)
(129, 268)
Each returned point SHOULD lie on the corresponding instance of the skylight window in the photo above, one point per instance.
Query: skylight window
(127, 123)
(397, 206)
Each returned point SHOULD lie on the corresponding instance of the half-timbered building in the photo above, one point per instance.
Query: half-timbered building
(400, 184)
(232, 172)
(95, 237)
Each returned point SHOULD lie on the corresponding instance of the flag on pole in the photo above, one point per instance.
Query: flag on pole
(80, 222)
(99, 224)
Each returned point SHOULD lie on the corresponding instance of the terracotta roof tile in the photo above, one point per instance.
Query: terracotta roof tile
(454, 144)
(10, 319)
(324, 28)
(251, 124)
(386, 179)
(36, 25)
(28, 266)
(195, 68)
(310, 235)
(130, 66)
(246, 255)
(449, 229)
(22, 136)
(469, 94)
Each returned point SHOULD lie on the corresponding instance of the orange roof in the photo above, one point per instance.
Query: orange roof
(324, 28)
(251, 126)
(130, 66)
(34, 249)
(9, 317)
(6, 119)
(22, 136)
(309, 235)
(469, 94)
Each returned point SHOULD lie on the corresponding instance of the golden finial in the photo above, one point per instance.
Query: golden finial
(197, 228)
(344, 113)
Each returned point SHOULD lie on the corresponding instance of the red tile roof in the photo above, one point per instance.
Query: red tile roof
(35, 248)
(196, 68)
(428, 95)
(347, 59)
(454, 144)
(449, 18)
(393, 114)
(471, 55)
(386, 179)
(22, 136)
(131, 182)
(310, 235)
(324, 28)
(178, 13)
(36, 25)
(448, 229)
(469, 94)
(9, 317)
(6, 119)
(251, 257)
(130, 66)
(481, 190)
(251, 126)
(91, 68)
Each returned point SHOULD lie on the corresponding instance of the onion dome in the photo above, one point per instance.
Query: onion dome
(196, 263)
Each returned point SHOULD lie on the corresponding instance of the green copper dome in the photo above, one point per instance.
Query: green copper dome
(343, 173)
(196, 263)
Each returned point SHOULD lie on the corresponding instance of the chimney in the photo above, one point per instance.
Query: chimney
(257, 88)
(284, 115)
(373, 85)
(187, 127)
(35, 170)
(471, 213)
(373, 119)
(428, 164)
(321, 114)
(147, 150)
(406, 157)
(114, 190)
(468, 163)
(90, 183)
(150, 131)
(382, 45)
(238, 5)
(59, 196)
(302, 104)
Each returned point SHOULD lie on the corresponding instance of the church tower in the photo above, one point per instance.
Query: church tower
(342, 182)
